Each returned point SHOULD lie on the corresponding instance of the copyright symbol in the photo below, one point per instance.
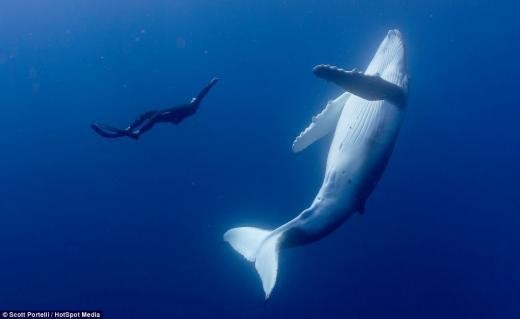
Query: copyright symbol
(4, 314)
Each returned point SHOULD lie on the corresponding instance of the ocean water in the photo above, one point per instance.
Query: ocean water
(134, 228)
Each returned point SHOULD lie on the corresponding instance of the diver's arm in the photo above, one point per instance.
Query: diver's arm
(197, 99)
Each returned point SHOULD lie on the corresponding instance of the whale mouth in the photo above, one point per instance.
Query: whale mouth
(395, 33)
(389, 62)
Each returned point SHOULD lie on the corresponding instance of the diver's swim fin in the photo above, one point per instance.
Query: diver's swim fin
(112, 132)
(368, 87)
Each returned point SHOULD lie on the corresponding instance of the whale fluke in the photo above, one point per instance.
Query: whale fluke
(246, 240)
(261, 247)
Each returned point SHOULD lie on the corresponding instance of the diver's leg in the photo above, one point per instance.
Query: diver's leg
(138, 121)
(131, 130)
(147, 124)
(197, 99)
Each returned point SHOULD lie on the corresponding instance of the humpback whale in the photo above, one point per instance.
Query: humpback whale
(366, 121)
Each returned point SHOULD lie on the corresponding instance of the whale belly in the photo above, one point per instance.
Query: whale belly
(362, 144)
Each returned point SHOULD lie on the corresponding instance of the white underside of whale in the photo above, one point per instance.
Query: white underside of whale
(364, 136)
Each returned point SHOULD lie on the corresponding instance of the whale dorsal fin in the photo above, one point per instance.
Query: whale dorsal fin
(321, 124)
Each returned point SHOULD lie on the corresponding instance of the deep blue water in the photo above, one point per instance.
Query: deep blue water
(135, 228)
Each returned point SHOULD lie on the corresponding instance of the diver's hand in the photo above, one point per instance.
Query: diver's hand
(214, 80)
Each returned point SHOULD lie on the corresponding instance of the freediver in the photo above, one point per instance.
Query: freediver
(148, 119)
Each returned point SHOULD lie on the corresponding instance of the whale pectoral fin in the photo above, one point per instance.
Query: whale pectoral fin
(321, 124)
(368, 87)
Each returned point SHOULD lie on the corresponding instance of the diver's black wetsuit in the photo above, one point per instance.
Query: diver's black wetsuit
(148, 119)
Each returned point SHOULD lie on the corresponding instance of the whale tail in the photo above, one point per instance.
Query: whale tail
(261, 247)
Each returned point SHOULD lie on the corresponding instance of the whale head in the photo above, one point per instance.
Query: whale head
(389, 62)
